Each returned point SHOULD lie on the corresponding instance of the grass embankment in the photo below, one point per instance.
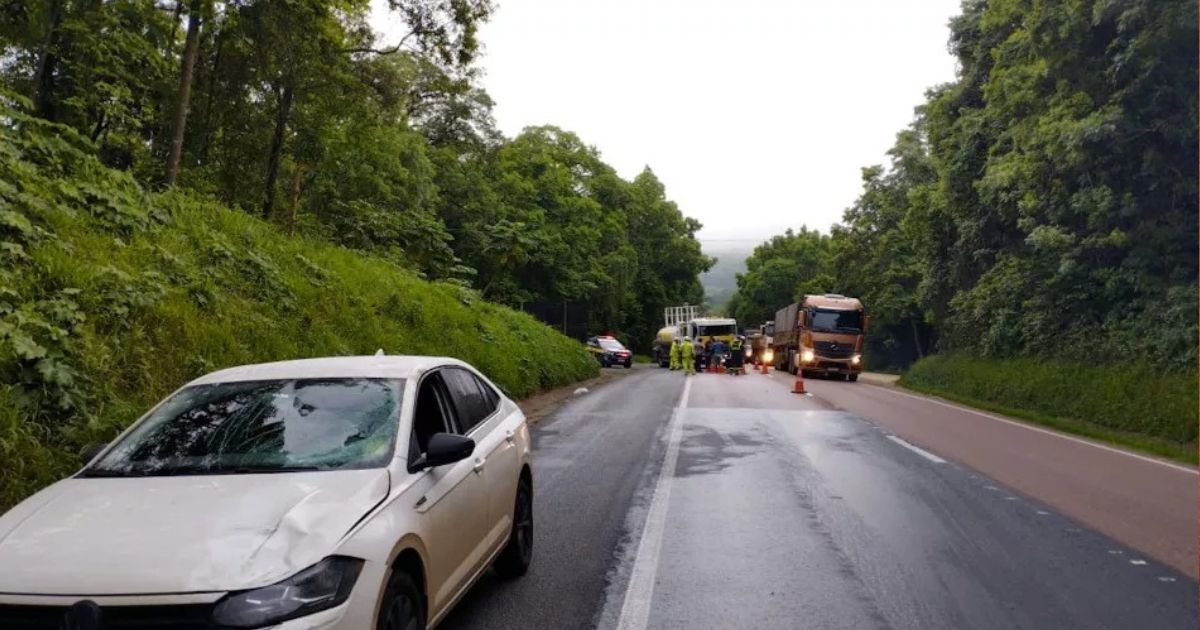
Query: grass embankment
(1138, 407)
(111, 297)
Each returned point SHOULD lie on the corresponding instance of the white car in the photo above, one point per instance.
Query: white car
(347, 493)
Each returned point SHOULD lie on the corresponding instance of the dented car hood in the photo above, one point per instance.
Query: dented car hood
(108, 536)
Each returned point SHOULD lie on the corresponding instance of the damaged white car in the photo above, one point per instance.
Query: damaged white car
(347, 493)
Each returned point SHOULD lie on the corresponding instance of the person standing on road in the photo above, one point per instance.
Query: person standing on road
(676, 348)
(688, 355)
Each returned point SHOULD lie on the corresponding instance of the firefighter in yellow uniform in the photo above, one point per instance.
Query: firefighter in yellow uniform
(688, 356)
(675, 350)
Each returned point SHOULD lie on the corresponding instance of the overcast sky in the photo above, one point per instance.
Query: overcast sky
(757, 115)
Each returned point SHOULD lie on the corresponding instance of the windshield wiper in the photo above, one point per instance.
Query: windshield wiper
(258, 469)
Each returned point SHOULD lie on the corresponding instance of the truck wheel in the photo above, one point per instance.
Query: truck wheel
(853, 378)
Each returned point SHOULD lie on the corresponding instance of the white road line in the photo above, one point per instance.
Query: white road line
(1056, 434)
(635, 610)
(919, 451)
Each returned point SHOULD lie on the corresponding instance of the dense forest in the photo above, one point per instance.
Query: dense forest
(292, 111)
(1043, 204)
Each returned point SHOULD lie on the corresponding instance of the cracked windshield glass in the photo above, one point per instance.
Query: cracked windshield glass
(599, 314)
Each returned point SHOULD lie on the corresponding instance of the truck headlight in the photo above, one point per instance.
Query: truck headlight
(768, 356)
(856, 359)
(807, 355)
(324, 585)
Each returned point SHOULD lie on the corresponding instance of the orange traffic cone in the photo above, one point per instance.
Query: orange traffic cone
(798, 387)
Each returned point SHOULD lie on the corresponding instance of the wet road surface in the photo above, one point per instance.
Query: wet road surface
(781, 511)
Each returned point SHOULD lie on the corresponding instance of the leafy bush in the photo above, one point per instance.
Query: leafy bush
(1132, 399)
(112, 296)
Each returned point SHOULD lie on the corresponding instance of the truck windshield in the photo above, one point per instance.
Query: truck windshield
(262, 427)
(718, 329)
(836, 321)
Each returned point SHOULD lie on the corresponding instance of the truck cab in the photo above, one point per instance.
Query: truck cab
(824, 335)
(705, 329)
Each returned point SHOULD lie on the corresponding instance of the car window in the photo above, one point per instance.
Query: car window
(262, 426)
(429, 416)
(611, 344)
(490, 397)
(469, 401)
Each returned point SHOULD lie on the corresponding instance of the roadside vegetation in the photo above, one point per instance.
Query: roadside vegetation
(112, 296)
(1135, 406)
(1037, 220)
(294, 111)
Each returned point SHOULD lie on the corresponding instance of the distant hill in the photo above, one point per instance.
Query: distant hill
(720, 282)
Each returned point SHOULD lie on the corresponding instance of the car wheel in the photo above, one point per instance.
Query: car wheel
(401, 608)
(628, 364)
(518, 553)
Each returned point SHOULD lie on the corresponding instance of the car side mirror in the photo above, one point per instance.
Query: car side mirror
(90, 452)
(444, 448)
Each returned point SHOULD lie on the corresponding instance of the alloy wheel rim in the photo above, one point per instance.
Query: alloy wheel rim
(524, 525)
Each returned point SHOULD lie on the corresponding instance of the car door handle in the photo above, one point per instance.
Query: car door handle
(478, 467)
(510, 435)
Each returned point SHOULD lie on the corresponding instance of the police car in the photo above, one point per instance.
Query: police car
(609, 352)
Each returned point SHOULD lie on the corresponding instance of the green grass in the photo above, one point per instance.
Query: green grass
(111, 297)
(1130, 406)
(642, 358)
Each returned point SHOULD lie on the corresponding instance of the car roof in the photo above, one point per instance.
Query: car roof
(400, 367)
(711, 321)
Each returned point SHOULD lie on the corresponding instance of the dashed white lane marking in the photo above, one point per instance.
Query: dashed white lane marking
(919, 451)
(1115, 552)
(1010, 498)
(991, 488)
(1137, 562)
(1042, 513)
(1165, 578)
(1056, 434)
(635, 610)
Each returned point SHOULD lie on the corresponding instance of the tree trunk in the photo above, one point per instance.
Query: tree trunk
(916, 338)
(43, 78)
(206, 125)
(281, 121)
(179, 123)
(296, 174)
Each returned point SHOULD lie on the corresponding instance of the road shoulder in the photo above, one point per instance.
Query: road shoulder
(544, 403)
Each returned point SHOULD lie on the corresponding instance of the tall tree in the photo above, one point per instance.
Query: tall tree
(187, 66)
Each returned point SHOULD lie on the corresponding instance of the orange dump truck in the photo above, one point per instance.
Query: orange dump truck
(824, 334)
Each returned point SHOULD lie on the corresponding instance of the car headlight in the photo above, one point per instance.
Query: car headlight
(854, 360)
(324, 585)
(807, 355)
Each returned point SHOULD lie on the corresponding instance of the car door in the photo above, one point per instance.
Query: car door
(495, 446)
(454, 500)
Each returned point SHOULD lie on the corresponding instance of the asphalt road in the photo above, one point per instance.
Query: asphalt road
(731, 502)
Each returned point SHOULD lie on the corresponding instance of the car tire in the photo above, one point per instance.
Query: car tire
(402, 607)
(517, 555)
(628, 364)
(853, 378)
